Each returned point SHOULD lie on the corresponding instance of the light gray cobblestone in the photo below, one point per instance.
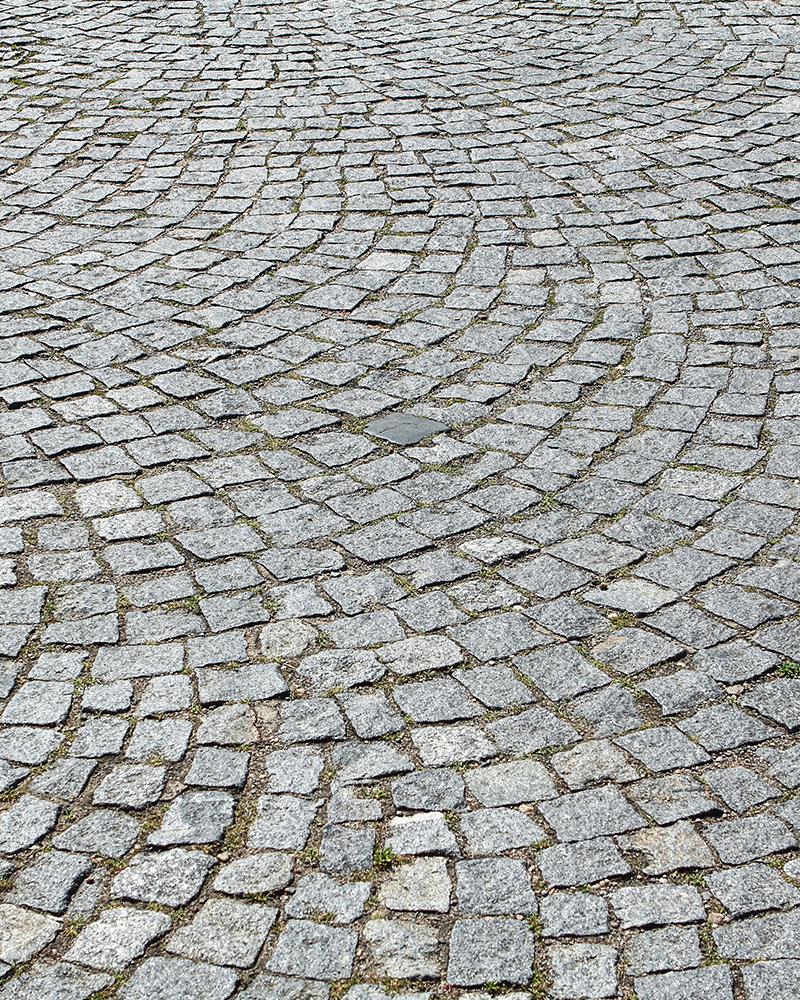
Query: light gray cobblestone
(399, 439)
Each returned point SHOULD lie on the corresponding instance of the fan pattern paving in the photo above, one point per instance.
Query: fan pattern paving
(400, 441)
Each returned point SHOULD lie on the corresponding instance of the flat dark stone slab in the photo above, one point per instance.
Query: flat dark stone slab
(404, 428)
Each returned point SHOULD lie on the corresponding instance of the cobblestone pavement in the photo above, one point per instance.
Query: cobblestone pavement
(400, 436)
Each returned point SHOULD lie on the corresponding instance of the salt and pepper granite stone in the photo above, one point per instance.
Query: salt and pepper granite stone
(398, 549)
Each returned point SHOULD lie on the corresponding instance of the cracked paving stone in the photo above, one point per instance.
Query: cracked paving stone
(672, 797)
(630, 650)
(10, 775)
(682, 691)
(785, 767)
(294, 564)
(569, 618)
(355, 762)
(545, 577)
(496, 687)
(386, 540)
(371, 714)
(781, 638)
(355, 594)
(777, 700)
(690, 626)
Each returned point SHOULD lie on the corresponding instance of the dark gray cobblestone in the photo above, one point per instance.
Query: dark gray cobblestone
(399, 442)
